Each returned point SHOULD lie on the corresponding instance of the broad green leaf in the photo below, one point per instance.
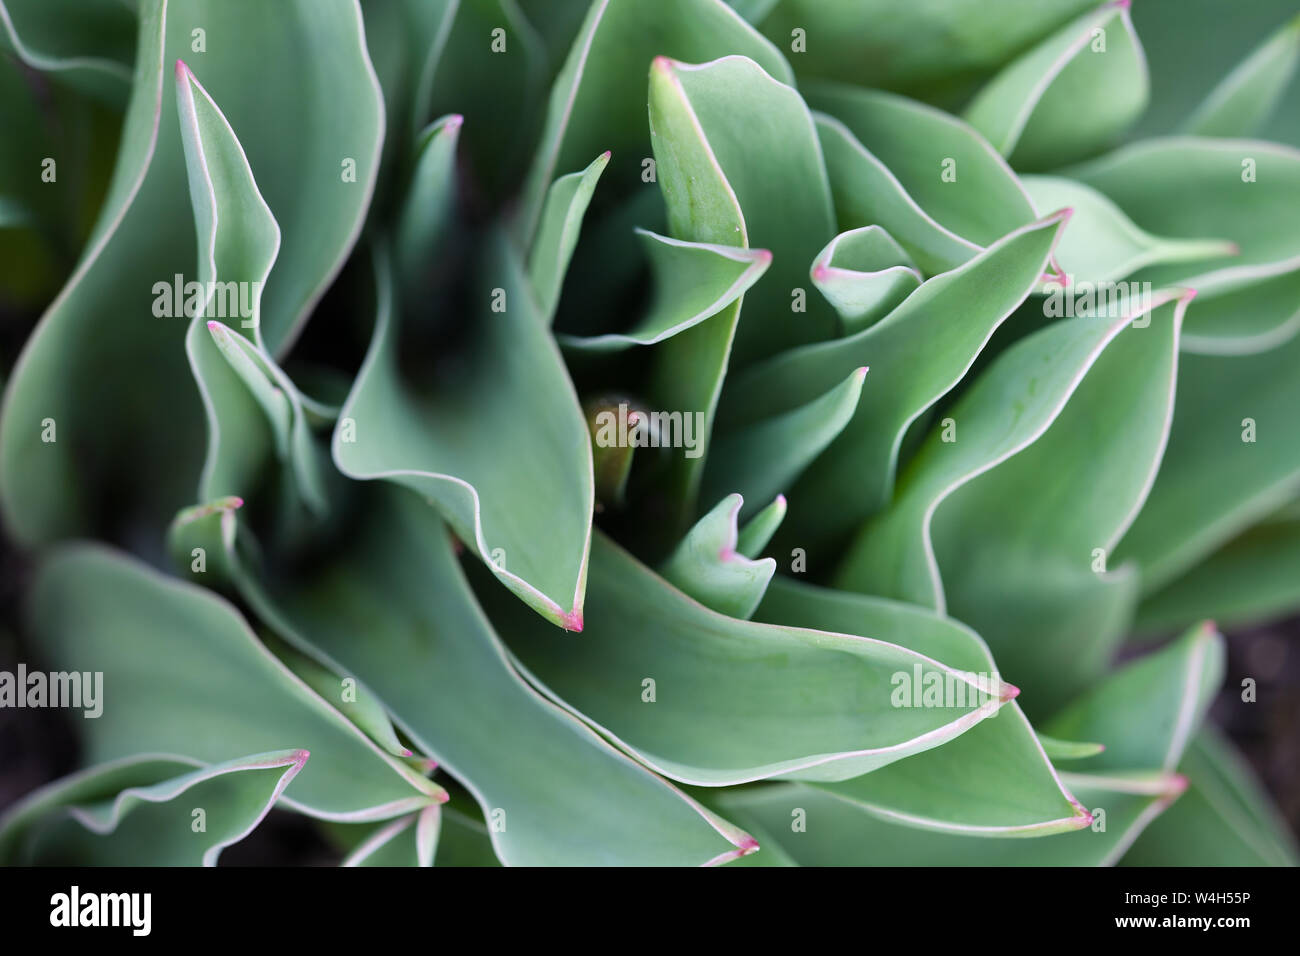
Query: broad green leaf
(1147, 712)
(554, 791)
(566, 204)
(1232, 460)
(1259, 317)
(708, 566)
(924, 46)
(141, 811)
(758, 531)
(1244, 98)
(916, 354)
(1224, 818)
(864, 274)
(598, 98)
(1101, 244)
(1070, 95)
(1244, 191)
(192, 680)
(1005, 411)
(298, 87)
(993, 780)
(1023, 550)
(952, 171)
(866, 192)
(711, 700)
(743, 459)
(1253, 578)
(834, 832)
(761, 137)
(533, 527)
(694, 281)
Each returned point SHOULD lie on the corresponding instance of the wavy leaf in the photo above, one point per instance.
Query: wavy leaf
(708, 566)
(161, 643)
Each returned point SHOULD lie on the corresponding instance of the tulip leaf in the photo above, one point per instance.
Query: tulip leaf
(761, 137)
(1068, 96)
(142, 811)
(864, 274)
(445, 445)
(566, 203)
(694, 281)
(758, 531)
(1232, 460)
(834, 721)
(555, 792)
(598, 98)
(916, 354)
(194, 681)
(1243, 100)
(1101, 244)
(952, 171)
(742, 459)
(708, 566)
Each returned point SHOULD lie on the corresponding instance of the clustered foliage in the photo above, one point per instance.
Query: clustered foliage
(650, 431)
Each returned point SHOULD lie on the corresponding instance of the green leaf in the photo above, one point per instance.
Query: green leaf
(708, 566)
(299, 117)
(1243, 100)
(1070, 95)
(1253, 578)
(733, 701)
(952, 171)
(694, 281)
(566, 203)
(926, 46)
(407, 841)
(835, 832)
(428, 207)
(555, 792)
(130, 812)
(1147, 712)
(1243, 191)
(760, 136)
(192, 680)
(993, 780)
(1224, 818)
(1023, 550)
(864, 274)
(1005, 411)
(1101, 244)
(758, 531)
(88, 44)
(531, 528)
(598, 98)
(916, 354)
(742, 460)
(866, 192)
(1213, 483)
(1068, 749)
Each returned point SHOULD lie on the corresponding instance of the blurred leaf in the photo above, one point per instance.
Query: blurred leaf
(1244, 98)
(1070, 95)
